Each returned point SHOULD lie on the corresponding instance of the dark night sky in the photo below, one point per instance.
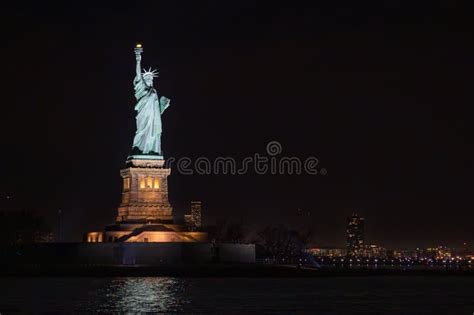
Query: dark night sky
(380, 93)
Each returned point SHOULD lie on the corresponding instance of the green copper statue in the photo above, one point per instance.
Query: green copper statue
(149, 109)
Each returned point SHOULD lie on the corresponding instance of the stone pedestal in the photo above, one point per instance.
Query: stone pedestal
(145, 214)
(145, 193)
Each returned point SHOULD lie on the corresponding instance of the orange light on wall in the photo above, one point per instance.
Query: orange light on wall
(156, 184)
(126, 183)
(142, 183)
(149, 182)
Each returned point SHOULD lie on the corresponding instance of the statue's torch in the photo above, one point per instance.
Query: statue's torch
(138, 49)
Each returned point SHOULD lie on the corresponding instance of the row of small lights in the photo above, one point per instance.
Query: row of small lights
(409, 260)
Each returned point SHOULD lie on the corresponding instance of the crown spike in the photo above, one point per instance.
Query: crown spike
(150, 72)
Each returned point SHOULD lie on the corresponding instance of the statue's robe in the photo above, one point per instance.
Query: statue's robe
(149, 107)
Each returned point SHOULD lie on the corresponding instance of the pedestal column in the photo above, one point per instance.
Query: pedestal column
(145, 193)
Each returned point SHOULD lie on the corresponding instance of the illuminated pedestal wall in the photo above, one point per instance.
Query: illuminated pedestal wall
(145, 193)
(152, 233)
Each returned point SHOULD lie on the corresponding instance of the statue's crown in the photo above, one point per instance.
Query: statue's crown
(154, 73)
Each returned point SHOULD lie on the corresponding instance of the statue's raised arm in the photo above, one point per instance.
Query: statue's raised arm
(138, 57)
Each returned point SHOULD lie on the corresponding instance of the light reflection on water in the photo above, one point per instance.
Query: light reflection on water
(139, 295)
(105, 295)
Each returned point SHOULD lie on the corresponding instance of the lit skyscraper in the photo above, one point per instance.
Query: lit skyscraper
(355, 236)
(193, 220)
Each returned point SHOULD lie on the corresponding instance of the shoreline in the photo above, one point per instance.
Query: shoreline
(216, 270)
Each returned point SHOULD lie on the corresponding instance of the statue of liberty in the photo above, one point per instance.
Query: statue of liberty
(149, 109)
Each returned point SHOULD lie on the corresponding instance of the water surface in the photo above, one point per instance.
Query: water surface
(333, 295)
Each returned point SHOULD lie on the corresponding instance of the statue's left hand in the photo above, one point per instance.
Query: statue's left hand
(164, 103)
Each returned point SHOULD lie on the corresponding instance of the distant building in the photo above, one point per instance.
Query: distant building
(327, 251)
(405, 254)
(440, 252)
(193, 220)
(355, 236)
(375, 251)
(196, 209)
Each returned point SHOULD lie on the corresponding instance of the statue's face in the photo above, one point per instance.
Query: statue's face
(148, 80)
